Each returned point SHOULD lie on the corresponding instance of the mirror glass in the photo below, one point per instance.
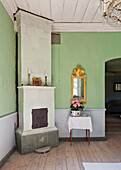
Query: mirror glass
(78, 85)
(78, 88)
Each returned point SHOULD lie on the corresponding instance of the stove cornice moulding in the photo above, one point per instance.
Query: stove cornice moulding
(36, 87)
(23, 17)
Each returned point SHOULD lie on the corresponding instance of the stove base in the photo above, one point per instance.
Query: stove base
(28, 142)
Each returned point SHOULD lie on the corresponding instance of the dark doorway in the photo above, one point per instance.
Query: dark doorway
(113, 95)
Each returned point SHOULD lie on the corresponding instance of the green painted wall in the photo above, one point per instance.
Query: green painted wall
(90, 50)
(7, 64)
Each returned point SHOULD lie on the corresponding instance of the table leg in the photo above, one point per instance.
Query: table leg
(71, 137)
(86, 135)
(89, 136)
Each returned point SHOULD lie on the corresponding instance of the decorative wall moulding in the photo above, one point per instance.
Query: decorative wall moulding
(83, 27)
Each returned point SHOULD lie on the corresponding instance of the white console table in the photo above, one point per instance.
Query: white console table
(80, 123)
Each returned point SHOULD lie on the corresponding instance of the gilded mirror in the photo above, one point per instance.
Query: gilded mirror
(78, 85)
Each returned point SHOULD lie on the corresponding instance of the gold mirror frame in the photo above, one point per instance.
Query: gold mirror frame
(78, 73)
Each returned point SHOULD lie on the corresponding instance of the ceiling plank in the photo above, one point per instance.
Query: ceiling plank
(12, 5)
(8, 9)
(45, 6)
(22, 4)
(80, 10)
(69, 10)
(66, 11)
(91, 10)
(57, 10)
(98, 16)
(34, 6)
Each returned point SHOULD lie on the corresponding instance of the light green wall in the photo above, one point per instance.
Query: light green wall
(7, 64)
(90, 50)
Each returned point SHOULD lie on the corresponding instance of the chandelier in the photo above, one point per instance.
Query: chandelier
(112, 12)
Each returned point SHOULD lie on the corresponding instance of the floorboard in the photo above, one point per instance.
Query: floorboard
(66, 157)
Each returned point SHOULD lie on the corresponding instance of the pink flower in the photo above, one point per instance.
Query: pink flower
(78, 104)
(75, 105)
(73, 101)
(77, 101)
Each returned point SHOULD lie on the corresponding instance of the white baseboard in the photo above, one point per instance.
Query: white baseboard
(7, 135)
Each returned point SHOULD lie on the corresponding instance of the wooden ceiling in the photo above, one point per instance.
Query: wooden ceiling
(61, 11)
(68, 15)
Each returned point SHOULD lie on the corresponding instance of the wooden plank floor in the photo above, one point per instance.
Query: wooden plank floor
(66, 157)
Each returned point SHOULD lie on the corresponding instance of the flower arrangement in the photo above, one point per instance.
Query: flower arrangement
(76, 105)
